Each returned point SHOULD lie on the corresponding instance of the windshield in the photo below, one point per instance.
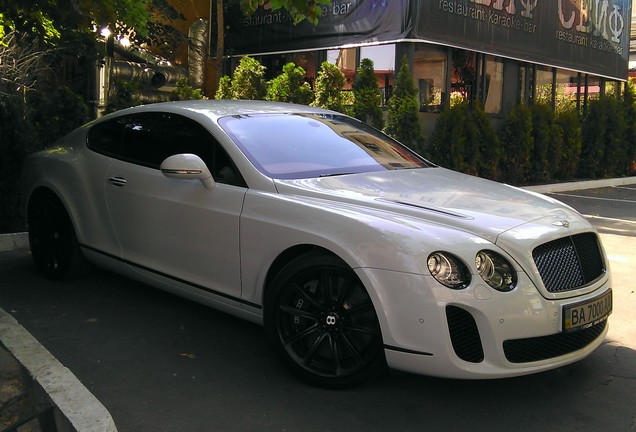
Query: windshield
(294, 146)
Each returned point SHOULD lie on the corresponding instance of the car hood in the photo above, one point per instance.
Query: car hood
(442, 196)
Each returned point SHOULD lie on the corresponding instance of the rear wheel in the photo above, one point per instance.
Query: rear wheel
(53, 242)
(322, 323)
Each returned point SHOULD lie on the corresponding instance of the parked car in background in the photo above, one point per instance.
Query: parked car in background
(354, 252)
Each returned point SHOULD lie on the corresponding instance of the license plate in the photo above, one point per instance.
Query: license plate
(585, 314)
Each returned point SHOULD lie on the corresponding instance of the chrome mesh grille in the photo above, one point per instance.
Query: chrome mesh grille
(568, 263)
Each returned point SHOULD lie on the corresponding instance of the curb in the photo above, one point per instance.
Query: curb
(81, 411)
(580, 185)
(14, 241)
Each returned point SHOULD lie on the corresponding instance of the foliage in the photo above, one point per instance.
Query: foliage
(25, 128)
(55, 113)
(547, 142)
(630, 119)
(368, 98)
(53, 21)
(23, 59)
(225, 88)
(248, 81)
(299, 10)
(603, 150)
(329, 84)
(567, 163)
(465, 140)
(126, 95)
(15, 139)
(403, 123)
(290, 86)
(184, 91)
(517, 144)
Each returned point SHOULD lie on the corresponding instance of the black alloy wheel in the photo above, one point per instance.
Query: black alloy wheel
(322, 323)
(53, 242)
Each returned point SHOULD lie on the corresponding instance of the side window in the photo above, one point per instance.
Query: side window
(106, 137)
(150, 138)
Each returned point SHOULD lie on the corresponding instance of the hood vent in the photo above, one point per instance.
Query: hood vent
(427, 208)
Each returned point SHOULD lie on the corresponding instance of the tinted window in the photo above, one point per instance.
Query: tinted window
(106, 137)
(291, 146)
(148, 139)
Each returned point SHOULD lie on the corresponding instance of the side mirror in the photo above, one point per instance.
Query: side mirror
(187, 166)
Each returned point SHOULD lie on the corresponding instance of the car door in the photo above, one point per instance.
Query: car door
(174, 227)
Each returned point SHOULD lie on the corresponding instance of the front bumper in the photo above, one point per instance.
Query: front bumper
(477, 332)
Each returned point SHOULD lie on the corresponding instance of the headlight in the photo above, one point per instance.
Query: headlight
(496, 271)
(448, 270)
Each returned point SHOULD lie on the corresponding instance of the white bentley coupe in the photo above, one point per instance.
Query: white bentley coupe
(354, 252)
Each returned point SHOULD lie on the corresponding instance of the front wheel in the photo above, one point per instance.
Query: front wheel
(322, 323)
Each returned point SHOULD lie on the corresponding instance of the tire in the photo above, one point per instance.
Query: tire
(321, 322)
(54, 246)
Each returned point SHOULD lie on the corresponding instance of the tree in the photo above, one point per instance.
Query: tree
(517, 143)
(465, 140)
(290, 86)
(299, 10)
(184, 91)
(329, 84)
(54, 21)
(367, 95)
(403, 123)
(248, 82)
(225, 88)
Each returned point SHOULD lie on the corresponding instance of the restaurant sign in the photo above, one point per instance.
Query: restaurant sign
(586, 35)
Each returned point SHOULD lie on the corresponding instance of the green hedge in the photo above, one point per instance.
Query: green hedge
(535, 145)
(26, 127)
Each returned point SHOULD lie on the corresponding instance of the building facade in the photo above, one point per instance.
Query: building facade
(499, 52)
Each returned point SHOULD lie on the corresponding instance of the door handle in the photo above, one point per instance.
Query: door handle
(117, 181)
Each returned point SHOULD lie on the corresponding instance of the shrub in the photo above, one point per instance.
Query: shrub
(126, 95)
(26, 128)
(290, 86)
(16, 141)
(517, 143)
(403, 123)
(605, 131)
(225, 88)
(465, 140)
(547, 143)
(367, 96)
(567, 163)
(184, 91)
(329, 84)
(248, 81)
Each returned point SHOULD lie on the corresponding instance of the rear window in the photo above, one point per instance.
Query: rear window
(293, 146)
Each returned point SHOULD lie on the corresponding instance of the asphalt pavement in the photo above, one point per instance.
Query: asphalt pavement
(40, 393)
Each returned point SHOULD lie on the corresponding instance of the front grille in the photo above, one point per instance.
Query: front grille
(546, 347)
(464, 334)
(568, 263)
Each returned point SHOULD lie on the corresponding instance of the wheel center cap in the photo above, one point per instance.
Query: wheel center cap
(331, 319)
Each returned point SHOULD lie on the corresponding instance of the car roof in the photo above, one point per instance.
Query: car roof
(214, 109)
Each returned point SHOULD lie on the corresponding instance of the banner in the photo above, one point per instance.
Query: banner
(586, 35)
(344, 22)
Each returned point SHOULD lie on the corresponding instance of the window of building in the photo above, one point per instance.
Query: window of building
(464, 76)
(543, 85)
(383, 58)
(593, 87)
(345, 59)
(567, 90)
(493, 84)
(429, 74)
